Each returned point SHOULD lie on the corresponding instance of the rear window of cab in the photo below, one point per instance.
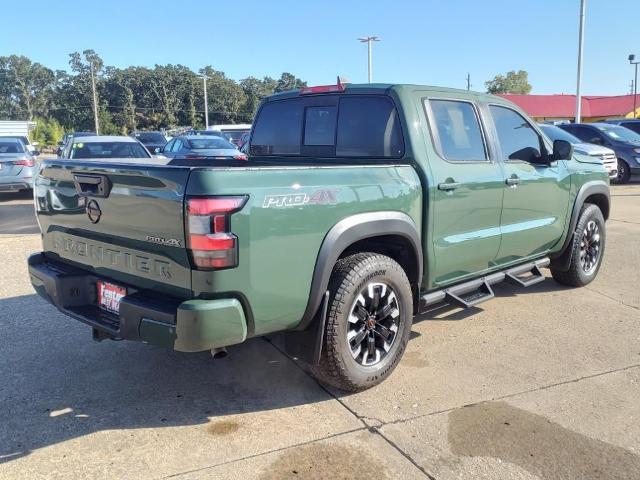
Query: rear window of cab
(328, 126)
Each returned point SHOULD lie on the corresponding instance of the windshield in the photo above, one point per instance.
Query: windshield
(150, 137)
(621, 134)
(11, 147)
(556, 133)
(234, 135)
(108, 150)
(205, 143)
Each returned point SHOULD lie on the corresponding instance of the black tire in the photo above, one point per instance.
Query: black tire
(624, 173)
(582, 267)
(338, 366)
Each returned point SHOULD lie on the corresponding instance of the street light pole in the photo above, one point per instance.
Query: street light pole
(368, 40)
(95, 100)
(633, 61)
(578, 118)
(206, 104)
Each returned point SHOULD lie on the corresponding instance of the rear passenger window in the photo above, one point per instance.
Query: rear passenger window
(368, 127)
(348, 126)
(458, 130)
(320, 125)
(278, 129)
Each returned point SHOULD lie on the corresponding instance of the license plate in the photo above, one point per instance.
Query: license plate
(109, 296)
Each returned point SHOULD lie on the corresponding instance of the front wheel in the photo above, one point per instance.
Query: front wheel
(624, 174)
(587, 249)
(368, 324)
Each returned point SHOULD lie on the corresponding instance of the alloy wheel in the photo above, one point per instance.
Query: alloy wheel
(590, 247)
(373, 323)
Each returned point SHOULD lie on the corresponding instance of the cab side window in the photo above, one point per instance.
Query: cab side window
(457, 130)
(517, 138)
(177, 146)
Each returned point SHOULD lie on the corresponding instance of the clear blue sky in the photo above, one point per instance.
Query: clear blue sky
(423, 41)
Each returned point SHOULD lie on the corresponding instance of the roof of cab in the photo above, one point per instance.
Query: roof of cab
(384, 88)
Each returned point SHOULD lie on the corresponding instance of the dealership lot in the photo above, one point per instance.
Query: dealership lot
(540, 383)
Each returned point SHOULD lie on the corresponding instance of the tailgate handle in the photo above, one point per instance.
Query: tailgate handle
(92, 185)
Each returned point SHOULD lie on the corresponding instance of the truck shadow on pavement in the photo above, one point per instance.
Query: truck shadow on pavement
(57, 384)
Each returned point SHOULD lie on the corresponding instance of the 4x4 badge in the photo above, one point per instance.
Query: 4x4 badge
(93, 211)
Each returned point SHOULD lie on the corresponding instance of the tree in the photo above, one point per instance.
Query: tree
(127, 98)
(25, 87)
(287, 81)
(512, 82)
(48, 132)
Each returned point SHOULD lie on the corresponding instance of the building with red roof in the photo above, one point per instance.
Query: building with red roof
(562, 107)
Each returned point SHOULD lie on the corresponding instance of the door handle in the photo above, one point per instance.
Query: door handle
(512, 181)
(448, 186)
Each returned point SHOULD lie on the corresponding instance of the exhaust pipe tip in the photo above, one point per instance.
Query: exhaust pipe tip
(218, 353)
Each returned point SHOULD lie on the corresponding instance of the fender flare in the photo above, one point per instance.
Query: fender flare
(345, 233)
(594, 187)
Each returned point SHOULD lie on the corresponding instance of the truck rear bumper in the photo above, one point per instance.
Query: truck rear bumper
(187, 326)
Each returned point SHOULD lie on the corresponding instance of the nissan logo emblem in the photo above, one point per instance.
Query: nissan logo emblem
(93, 211)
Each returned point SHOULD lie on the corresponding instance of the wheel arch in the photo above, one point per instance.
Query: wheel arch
(390, 233)
(595, 192)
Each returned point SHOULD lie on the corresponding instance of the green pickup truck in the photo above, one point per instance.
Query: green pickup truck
(359, 207)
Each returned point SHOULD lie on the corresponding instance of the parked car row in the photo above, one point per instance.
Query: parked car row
(610, 140)
(606, 155)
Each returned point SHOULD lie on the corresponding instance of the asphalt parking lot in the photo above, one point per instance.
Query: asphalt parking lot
(538, 383)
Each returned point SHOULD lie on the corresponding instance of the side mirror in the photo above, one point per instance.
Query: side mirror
(157, 150)
(35, 153)
(562, 150)
(35, 144)
(596, 140)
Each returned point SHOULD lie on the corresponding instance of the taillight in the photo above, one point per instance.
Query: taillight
(240, 156)
(25, 162)
(209, 237)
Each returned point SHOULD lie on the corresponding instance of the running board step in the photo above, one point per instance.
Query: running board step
(466, 298)
(524, 276)
(473, 292)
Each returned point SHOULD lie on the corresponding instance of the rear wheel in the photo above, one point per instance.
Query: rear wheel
(587, 249)
(368, 324)
(624, 174)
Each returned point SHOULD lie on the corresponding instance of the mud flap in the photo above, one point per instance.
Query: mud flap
(306, 345)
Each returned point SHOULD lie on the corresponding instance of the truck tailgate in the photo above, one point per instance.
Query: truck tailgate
(122, 221)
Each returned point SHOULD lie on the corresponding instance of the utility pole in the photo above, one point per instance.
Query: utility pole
(633, 61)
(631, 90)
(95, 99)
(368, 40)
(583, 6)
(468, 81)
(206, 104)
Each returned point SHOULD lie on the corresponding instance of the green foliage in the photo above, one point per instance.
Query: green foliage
(48, 132)
(128, 98)
(512, 82)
